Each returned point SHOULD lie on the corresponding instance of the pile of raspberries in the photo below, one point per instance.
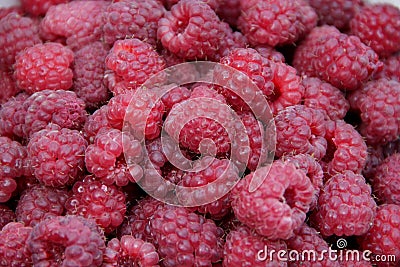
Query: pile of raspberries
(69, 174)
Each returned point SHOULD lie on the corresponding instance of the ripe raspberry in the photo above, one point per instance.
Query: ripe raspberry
(345, 206)
(214, 4)
(67, 241)
(175, 96)
(391, 148)
(7, 83)
(378, 27)
(130, 251)
(44, 66)
(16, 34)
(89, 71)
(321, 95)
(243, 245)
(155, 152)
(300, 129)
(230, 11)
(337, 13)
(378, 103)
(57, 155)
(354, 260)
(12, 117)
(327, 54)
(4, 11)
(13, 246)
(270, 53)
(279, 205)
(71, 21)
(95, 122)
(59, 107)
(374, 159)
(39, 7)
(231, 40)
(391, 68)
(276, 22)
(134, 61)
(382, 238)
(6, 216)
(132, 18)
(183, 238)
(386, 179)
(39, 203)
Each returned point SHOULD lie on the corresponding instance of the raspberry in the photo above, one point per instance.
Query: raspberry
(270, 53)
(132, 18)
(59, 107)
(243, 246)
(116, 110)
(387, 176)
(337, 13)
(16, 34)
(391, 68)
(230, 11)
(71, 21)
(175, 96)
(6, 216)
(39, 203)
(4, 11)
(276, 22)
(13, 246)
(39, 7)
(374, 159)
(57, 155)
(345, 206)
(214, 4)
(12, 117)
(321, 95)
(300, 129)
(130, 251)
(231, 41)
(184, 238)
(155, 152)
(378, 27)
(89, 71)
(354, 260)
(95, 122)
(327, 54)
(44, 66)
(382, 238)
(7, 83)
(378, 103)
(66, 241)
(279, 205)
(94, 200)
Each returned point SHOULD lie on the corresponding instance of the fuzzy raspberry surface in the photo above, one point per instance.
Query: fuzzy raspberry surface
(13, 248)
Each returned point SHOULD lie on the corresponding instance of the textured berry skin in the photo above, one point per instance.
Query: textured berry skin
(378, 103)
(345, 206)
(378, 27)
(6, 215)
(386, 179)
(16, 34)
(183, 238)
(71, 22)
(276, 22)
(354, 262)
(279, 205)
(89, 71)
(13, 246)
(300, 129)
(383, 238)
(155, 152)
(39, 203)
(327, 54)
(66, 241)
(242, 246)
(60, 107)
(39, 7)
(391, 68)
(57, 155)
(230, 11)
(12, 117)
(132, 18)
(94, 200)
(270, 53)
(175, 96)
(117, 107)
(130, 251)
(44, 66)
(321, 95)
(95, 122)
(9, 88)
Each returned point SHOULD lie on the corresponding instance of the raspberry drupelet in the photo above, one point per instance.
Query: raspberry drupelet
(39, 7)
(13, 245)
(8, 85)
(12, 117)
(7, 215)
(391, 68)
(95, 122)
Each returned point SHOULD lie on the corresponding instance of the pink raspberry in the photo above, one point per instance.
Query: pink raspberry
(6, 215)
(9, 88)
(13, 246)
(12, 117)
(270, 53)
(95, 122)
(391, 68)
(175, 96)
(39, 7)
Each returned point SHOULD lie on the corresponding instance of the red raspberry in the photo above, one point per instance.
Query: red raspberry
(354, 261)
(94, 200)
(39, 203)
(155, 152)
(95, 122)
(378, 103)
(244, 245)
(270, 53)
(345, 206)
(89, 71)
(132, 18)
(391, 68)
(71, 21)
(175, 96)
(327, 54)
(68, 241)
(57, 155)
(12, 117)
(386, 179)
(7, 83)
(279, 205)
(229, 11)
(382, 238)
(337, 13)
(230, 41)
(44, 66)
(39, 7)
(378, 27)
(116, 109)
(13, 246)
(16, 34)
(6, 216)
(300, 129)
(4, 11)
(374, 159)
(130, 251)
(276, 22)
(59, 107)
(214, 4)
(391, 147)
(183, 238)
(321, 95)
